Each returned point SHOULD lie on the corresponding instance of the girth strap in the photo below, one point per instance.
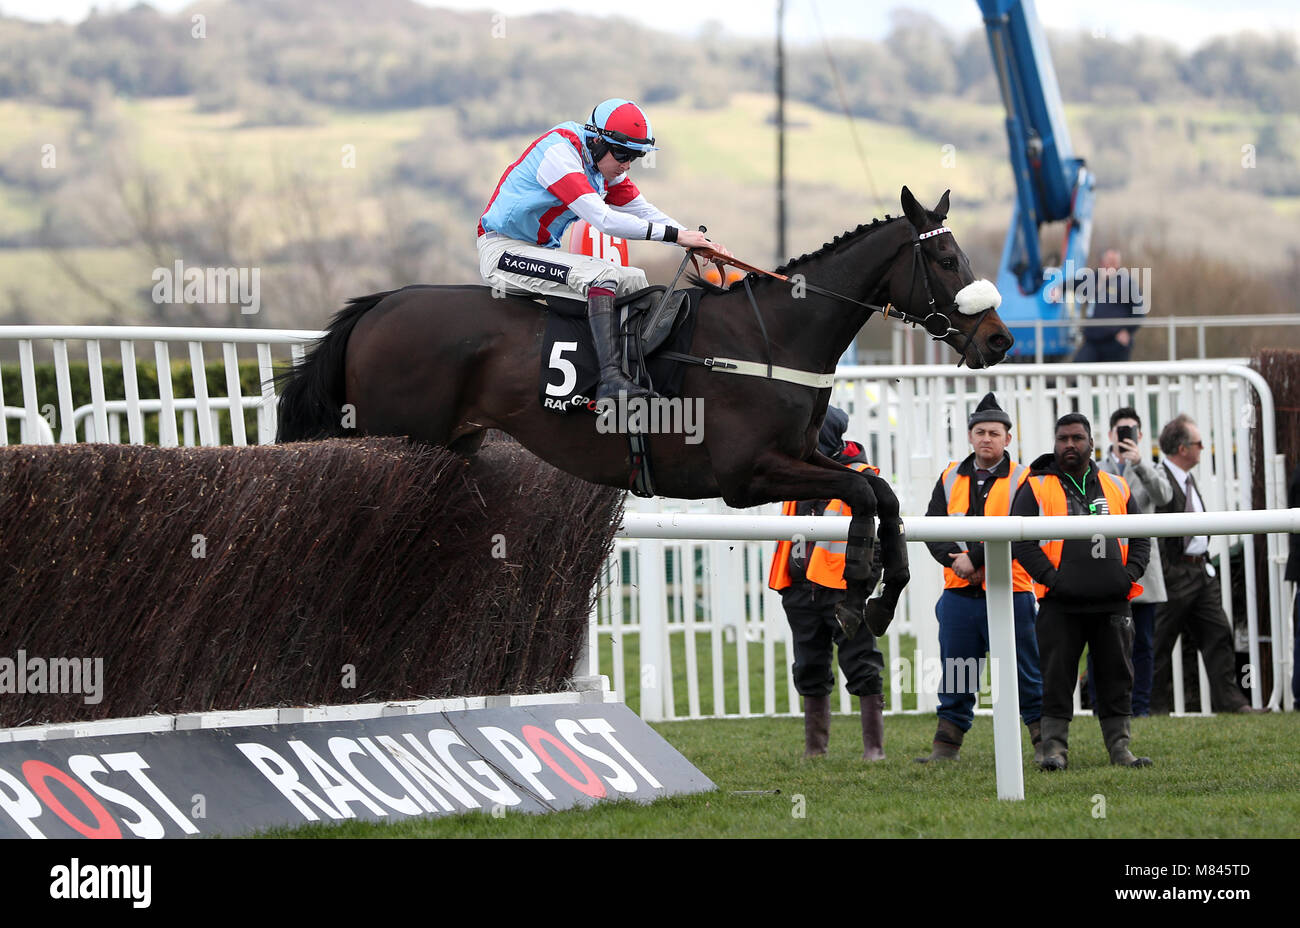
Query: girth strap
(767, 371)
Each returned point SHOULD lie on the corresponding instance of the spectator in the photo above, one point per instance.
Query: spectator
(1084, 588)
(1150, 488)
(1116, 297)
(1192, 589)
(982, 485)
(811, 582)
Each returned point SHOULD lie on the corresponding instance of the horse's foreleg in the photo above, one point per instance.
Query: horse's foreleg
(893, 558)
(822, 478)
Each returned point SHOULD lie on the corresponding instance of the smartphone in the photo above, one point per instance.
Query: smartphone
(1126, 433)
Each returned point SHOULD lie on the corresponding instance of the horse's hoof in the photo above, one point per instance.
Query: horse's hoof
(850, 620)
(879, 616)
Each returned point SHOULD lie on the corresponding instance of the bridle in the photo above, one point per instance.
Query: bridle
(919, 262)
(934, 322)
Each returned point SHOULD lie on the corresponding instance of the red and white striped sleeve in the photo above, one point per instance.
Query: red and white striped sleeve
(562, 174)
(626, 198)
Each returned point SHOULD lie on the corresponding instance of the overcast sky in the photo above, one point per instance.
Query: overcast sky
(1187, 23)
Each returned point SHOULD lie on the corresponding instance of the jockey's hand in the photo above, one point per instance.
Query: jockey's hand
(690, 238)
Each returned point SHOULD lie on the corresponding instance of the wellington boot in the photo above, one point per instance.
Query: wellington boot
(1056, 743)
(816, 725)
(947, 743)
(873, 727)
(1036, 738)
(1115, 732)
(604, 330)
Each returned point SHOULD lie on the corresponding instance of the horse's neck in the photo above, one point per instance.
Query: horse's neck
(814, 330)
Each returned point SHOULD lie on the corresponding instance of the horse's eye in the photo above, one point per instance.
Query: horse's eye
(948, 264)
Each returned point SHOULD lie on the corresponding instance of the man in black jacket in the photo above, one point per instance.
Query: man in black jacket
(1084, 587)
(1117, 297)
(810, 578)
(1194, 606)
(983, 484)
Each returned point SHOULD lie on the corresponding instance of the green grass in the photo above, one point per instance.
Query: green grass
(1222, 777)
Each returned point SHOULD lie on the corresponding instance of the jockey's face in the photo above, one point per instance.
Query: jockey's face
(610, 168)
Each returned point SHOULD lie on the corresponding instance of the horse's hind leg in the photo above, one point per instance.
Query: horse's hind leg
(893, 557)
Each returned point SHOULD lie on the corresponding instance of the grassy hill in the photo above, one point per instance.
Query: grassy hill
(356, 200)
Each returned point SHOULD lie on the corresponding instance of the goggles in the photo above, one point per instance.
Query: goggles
(624, 155)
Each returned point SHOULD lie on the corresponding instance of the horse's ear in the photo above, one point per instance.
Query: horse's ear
(913, 210)
(942, 209)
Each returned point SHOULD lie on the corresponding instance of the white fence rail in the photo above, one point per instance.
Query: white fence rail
(728, 652)
(998, 533)
(55, 342)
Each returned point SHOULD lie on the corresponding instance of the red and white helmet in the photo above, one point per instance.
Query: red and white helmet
(621, 123)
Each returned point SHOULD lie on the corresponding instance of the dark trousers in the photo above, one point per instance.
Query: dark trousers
(1194, 607)
(814, 630)
(1062, 634)
(964, 638)
(1295, 658)
(1144, 626)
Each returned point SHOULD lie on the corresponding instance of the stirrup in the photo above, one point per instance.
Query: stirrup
(613, 387)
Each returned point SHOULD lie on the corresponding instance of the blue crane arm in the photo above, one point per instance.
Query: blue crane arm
(1052, 184)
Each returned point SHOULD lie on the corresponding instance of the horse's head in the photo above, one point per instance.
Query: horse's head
(933, 275)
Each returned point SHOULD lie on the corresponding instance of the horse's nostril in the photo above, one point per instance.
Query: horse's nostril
(1000, 342)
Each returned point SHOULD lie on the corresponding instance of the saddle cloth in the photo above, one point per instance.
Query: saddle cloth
(570, 372)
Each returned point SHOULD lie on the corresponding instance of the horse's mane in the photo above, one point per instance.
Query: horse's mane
(833, 244)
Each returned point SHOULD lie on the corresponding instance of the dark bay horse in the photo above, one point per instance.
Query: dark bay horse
(442, 364)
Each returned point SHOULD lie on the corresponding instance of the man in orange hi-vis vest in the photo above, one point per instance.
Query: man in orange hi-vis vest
(810, 578)
(982, 485)
(1084, 587)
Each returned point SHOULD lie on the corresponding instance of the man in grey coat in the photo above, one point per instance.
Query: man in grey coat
(1150, 488)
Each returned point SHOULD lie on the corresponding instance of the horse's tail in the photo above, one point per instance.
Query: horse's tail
(311, 401)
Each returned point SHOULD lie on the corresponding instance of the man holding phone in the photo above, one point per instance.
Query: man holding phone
(1150, 488)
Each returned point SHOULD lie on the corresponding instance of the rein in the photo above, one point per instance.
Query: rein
(934, 322)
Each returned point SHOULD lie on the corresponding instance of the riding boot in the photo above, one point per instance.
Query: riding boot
(1036, 738)
(604, 330)
(947, 743)
(816, 725)
(1115, 732)
(873, 727)
(1056, 743)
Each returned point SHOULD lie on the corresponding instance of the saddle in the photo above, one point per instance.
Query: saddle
(645, 319)
(649, 320)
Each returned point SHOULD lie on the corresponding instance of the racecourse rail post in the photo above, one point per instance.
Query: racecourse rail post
(1004, 677)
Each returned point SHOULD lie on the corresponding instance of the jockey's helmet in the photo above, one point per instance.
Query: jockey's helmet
(618, 124)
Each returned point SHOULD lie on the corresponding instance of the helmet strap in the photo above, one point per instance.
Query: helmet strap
(598, 147)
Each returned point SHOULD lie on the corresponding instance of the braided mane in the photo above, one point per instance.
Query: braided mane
(832, 245)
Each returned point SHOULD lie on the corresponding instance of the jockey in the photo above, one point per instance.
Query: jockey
(578, 171)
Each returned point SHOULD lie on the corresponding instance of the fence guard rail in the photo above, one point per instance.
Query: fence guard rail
(997, 532)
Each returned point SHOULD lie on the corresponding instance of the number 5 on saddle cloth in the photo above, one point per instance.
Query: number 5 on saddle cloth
(649, 326)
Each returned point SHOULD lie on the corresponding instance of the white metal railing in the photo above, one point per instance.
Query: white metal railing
(56, 340)
(83, 417)
(903, 348)
(998, 533)
(912, 421)
(42, 436)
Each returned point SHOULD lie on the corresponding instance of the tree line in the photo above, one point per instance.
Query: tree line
(284, 56)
